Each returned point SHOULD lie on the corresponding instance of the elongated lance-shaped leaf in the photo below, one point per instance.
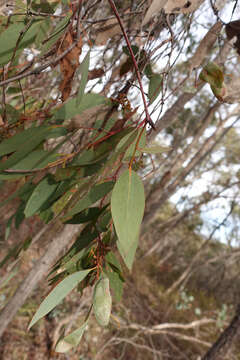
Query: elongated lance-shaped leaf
(70, 108)
(84, 76)
(40, 195)
(156, 149)
(71, 340)
(30, 143)
(96, 193)
(58, 294)
(127, 206)
(155, 86)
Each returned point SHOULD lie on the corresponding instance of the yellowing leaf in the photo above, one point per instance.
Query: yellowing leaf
(71, 340)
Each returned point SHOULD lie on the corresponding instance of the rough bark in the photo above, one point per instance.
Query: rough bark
(40, 269)
(226, 339)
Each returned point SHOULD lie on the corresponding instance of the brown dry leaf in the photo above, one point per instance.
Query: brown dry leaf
(110, 29)
(233, 30)
(68, 64)
(182, 6)
(154, 9)
(205, 46)
(95, 73)
(171, 7)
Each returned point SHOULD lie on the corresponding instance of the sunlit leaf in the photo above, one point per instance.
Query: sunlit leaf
(156, 149)
(84, 76)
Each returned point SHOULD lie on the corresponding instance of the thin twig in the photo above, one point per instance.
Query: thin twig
(148, 118)
(40, 68)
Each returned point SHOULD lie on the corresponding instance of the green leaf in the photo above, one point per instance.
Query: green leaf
(155, 86)
(131, 149)
(148, 71)
(83, 69)
(17, 141)
(8, 226)
(58, 31)
(58, 294)
(129, 254)
(102, 301)
(36, 160)
(114, 273)
(9, 277)
(71, 340)
(24, 147)
(157, 149)
(135, 50)
(9, 38)
(127, 206)
(86, 215)
(116, 284)
(70, 108)
(12, 113)
(88, 234)
(40, 195)
(212, 74)
(96, 193)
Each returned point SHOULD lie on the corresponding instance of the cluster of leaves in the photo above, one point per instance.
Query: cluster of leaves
(78, 187)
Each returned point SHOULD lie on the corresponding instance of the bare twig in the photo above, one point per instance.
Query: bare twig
(148, 118)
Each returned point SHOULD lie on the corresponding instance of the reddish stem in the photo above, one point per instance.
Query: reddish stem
(148, 118)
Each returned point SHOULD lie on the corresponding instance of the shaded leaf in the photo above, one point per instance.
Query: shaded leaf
(70, 109)
(24, 147)
(141, 143)
(155, 86)
(9, 38)
(127, 206)
(58, 294)
(113, 272)
(17, 141)
(40, 195)
(86, 215)
(56, 34)
(96, 193)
